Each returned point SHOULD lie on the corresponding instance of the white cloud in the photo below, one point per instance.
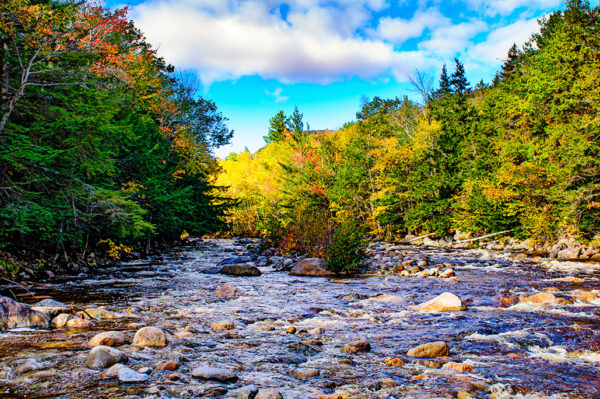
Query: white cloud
(506, 7)
(311, 47)
(452, 39)
(399, 30)
(276, 94)
(499, 41)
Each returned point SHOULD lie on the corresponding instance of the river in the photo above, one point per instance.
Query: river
(513, 350)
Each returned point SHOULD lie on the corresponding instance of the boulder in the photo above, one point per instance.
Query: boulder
(101, 357)
(108, 338)
(112, 371)
(240, 270)
(312, 267)
(149, 336)
(431, 349)
(228, 292)
(446, 302)
(269, 393)
(14, 314)
(221, 326)
(394, 362)
(214, 373)
(126, 374)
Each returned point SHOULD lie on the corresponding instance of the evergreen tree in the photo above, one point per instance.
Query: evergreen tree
(278, 128)
(458, 80)
(296, 123)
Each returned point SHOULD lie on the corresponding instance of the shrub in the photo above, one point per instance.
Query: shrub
(346, 249)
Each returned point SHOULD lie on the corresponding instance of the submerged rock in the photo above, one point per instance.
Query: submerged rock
(228, 292)
(446, 302)
(240, 270)
(247, 392)
(97, 313)
(312, 267)
(431, 349)
(304, 374)
(356, 347)
(214, 373)
(103, 356)
(14, 314)
(149, 336)
(542, 297)
(235, 260)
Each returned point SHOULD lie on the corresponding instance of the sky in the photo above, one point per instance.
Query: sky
(255, 58)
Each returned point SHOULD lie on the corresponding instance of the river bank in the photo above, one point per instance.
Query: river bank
(526, 331)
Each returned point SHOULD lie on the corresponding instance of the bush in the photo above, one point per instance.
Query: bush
(346, 250)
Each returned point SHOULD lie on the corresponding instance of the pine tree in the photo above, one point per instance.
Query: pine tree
(296, 123)
(458, 80)
(445, 87)
(512, 60)
(278, 127)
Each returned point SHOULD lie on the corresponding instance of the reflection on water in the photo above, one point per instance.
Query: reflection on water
(517, 351)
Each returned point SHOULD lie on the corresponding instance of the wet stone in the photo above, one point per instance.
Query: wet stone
(431, 349)
(61, 320)
(108, 338)
(247, 392)
(304, 374)
(356, 347)
(125, 374)
(269, 394)
(149, 336)
(214, 373)
(101, 357)
(241, 270)
(169, 365)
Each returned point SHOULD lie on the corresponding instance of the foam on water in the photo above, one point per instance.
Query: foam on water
(560, 354)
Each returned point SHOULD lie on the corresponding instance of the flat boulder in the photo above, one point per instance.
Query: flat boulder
(240, 270)
(50, 307)
(97, 313)
(312, 267)
(14, 314)
(446, 302)
(149, 336)
(61, 320)
(431, 349)
(101, 357)
(214, 373)
(128, 375)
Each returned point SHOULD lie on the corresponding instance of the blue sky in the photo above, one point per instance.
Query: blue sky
(255, 58)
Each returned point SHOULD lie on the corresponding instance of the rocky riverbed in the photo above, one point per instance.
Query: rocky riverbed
(216, 320)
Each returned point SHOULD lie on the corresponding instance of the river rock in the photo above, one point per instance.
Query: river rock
(394, 362)
(169, 365)
(542, 297)
(269, 393)
(304, 374)
(431, 349)
(30, 365)
(79, 324)
(112, 371)
(313, 267)
(356, 347)
(14, 314)
(108, 338)
(101, 357)
(214, 373)
(149, 336)
(446, 302)
(228, 292)
(61, 320)
(458, 367)
(240, 270)
(247, 392)
(221, 326)
(126, 374)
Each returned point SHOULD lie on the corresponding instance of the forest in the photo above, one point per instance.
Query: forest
(519, 154)
(104, 147)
